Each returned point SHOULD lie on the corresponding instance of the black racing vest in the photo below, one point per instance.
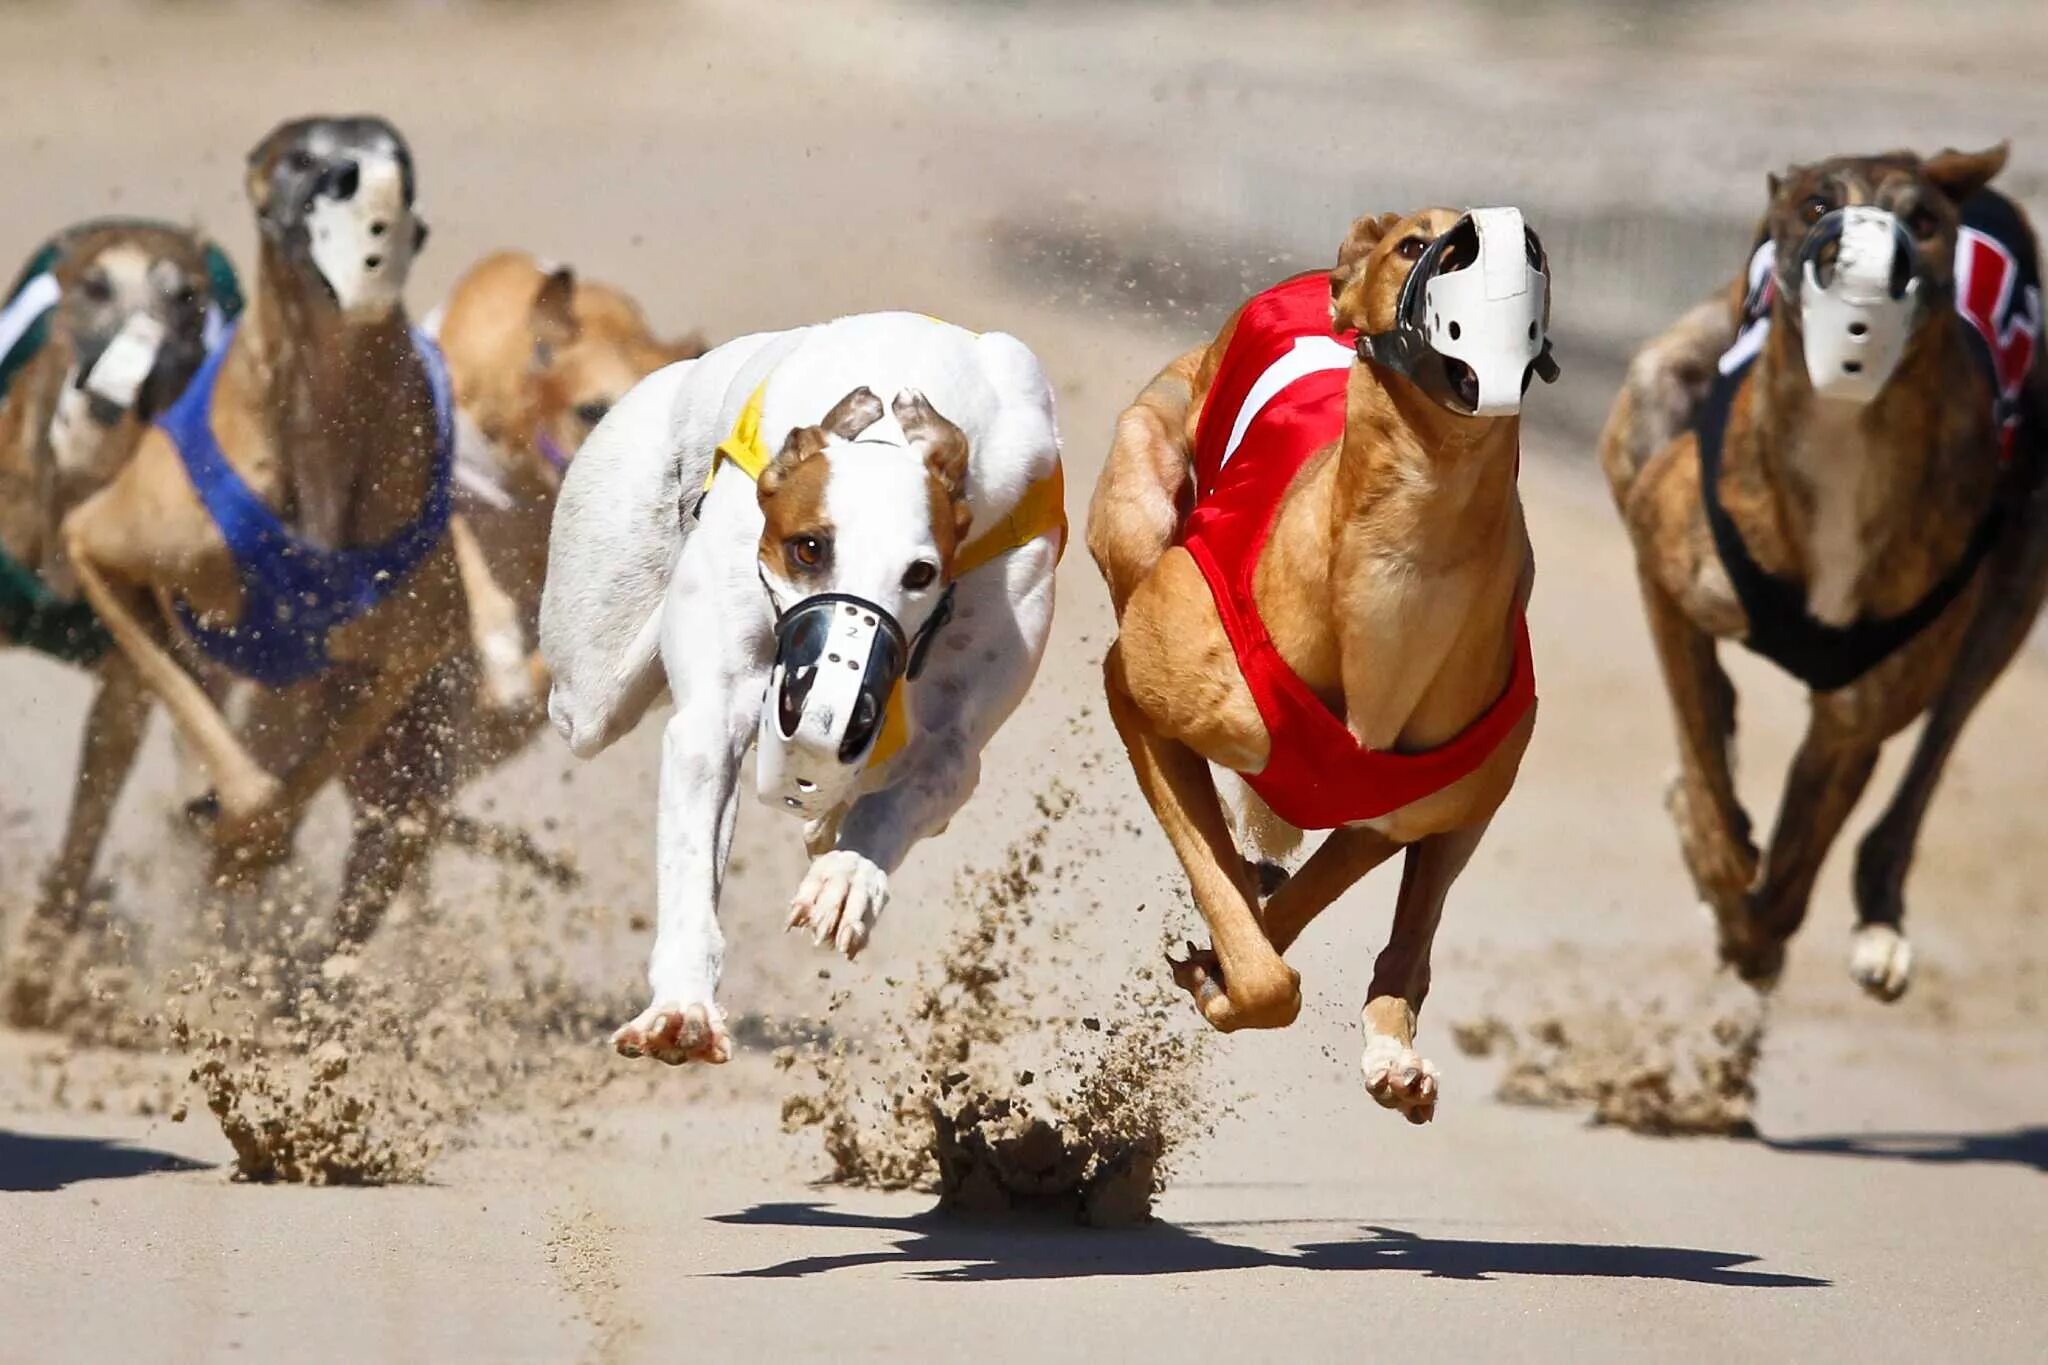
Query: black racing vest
(1998, 292)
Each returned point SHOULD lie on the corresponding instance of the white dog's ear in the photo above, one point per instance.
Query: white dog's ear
(943, 445)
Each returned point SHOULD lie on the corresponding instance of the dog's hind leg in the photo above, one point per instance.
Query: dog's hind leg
(114, 727)
(1879, 958)
(1395, 1075)
(1143, 493)
(1713, 829)
(1257, 989)
(1666, 381)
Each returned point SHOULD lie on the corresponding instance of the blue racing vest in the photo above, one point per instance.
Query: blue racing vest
(293, 592)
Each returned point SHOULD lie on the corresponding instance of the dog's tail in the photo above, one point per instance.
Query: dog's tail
(619, 525)
(1262, 836)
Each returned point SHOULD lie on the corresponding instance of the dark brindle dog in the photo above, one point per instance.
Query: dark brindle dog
(1856, 494)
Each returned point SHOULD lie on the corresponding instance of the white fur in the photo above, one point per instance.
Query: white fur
(626, 584)
(363, 245)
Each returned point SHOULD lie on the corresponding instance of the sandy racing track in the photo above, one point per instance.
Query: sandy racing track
(1102, 180)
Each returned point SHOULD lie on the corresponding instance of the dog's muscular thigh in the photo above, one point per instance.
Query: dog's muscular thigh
(1176, 663)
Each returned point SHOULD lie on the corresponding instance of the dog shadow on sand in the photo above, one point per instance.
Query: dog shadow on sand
(2027, 1146)
(945, 1247)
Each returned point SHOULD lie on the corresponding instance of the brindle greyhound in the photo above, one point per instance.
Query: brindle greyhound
(1880, 537)
(289, 516)
(104, 330)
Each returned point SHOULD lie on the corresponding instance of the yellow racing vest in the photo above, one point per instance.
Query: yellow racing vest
(1042, 511)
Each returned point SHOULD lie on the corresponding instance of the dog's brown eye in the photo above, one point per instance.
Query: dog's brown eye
(1813, 210)
(806, 552)
(920, 576)
(590, 414)
(1411, 248)
(97, 288)
(1923, 222)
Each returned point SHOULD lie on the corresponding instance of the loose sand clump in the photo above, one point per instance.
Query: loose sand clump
(1638, 1068)
(985, 1092)
(76, 978)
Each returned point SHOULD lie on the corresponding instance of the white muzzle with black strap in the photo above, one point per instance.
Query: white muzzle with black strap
(838, 659)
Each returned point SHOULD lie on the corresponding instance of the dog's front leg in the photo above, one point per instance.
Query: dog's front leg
(113, 736)
(1829, 772)
(1257, 989)
(718, 691)
(1395, 1074)
(979, 671)
(1713, 829)
(510, 680)
(97, 541)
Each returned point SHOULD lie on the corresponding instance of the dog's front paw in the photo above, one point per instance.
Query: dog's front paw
(841, 898)
(676, 1033)
(1881, 961)
(1399, 1079)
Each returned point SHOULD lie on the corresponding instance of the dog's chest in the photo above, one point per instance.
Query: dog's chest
(1833, 461)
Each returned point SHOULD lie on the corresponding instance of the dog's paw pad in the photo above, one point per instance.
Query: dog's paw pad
(676, 1033)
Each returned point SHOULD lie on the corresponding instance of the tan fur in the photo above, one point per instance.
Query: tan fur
(529, 350)
(1869, 510)
(1390, 585)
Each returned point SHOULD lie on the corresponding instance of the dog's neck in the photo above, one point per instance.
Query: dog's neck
(1876, 500)
(1407, 556)
(342, 408)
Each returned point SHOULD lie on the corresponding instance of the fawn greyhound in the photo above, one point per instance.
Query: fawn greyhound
(288, 516)
(102, 331)
(1314, 544)
(1838, 462)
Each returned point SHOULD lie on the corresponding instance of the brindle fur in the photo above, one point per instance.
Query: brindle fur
(1924, 445)
(330, 420)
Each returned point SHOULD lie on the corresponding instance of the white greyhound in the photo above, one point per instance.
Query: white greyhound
(872, 605)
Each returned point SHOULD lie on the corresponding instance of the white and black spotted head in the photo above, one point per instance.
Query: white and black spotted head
(335, 197)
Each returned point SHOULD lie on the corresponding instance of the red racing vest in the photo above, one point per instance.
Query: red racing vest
(1278, 398)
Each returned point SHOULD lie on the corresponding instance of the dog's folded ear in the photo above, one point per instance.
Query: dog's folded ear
(943, 445)
(802, 443)
(1961, 174)
(1365, 234)
(853, 414)
(552, 318)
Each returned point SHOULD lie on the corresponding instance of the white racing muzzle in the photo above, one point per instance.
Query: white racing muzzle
(95, 401)
(361, 232)
(1856, 321)
(838, 659)
(1471, 329)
